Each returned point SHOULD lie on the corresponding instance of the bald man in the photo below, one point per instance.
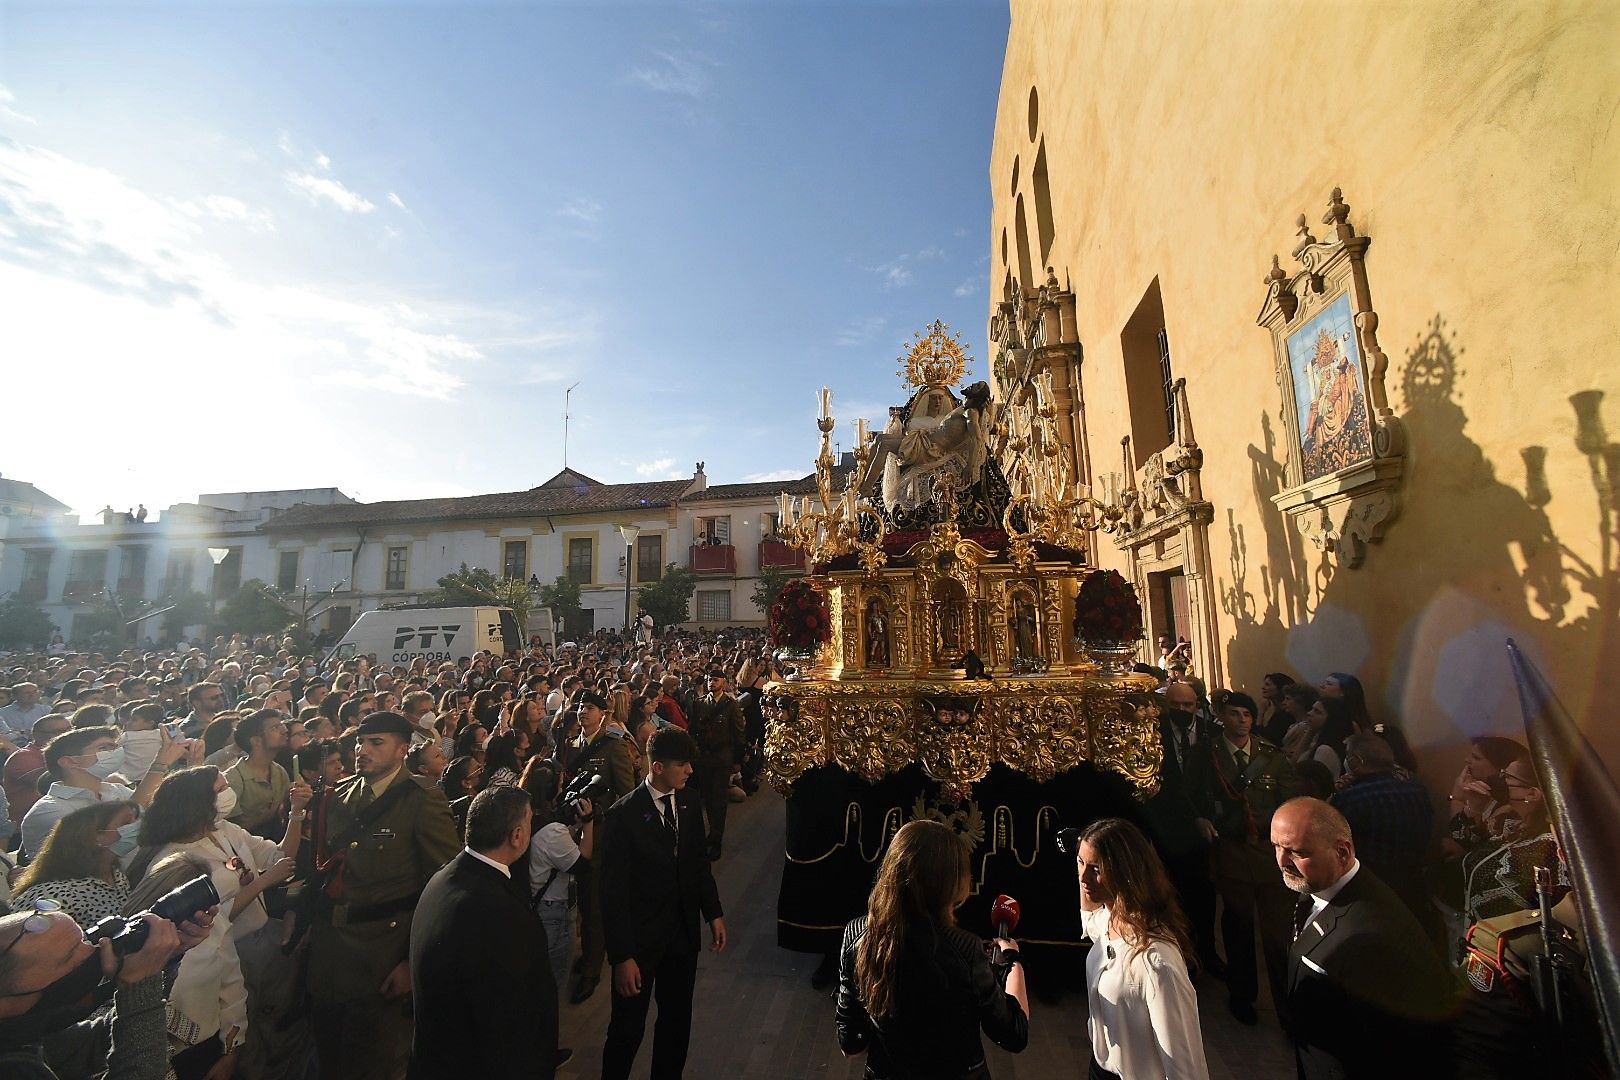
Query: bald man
(1367, 995)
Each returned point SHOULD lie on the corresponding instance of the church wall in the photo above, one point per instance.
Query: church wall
(1476, 146)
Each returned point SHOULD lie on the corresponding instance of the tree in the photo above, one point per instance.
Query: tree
(667, 598)
(771, 581)
(23, 625)
(562, 597)
(188, 608)
(474, 586)
(256, 608)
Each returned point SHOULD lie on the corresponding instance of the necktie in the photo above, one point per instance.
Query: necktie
(1302, 914)
(365, 796)
(1181, 744)
(1242, 759)
(669, 813)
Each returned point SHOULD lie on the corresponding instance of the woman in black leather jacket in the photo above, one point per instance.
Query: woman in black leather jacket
(915, 989)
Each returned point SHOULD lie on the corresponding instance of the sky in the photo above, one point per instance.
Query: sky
(371, 246)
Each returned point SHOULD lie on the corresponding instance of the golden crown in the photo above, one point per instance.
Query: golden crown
(936, 358)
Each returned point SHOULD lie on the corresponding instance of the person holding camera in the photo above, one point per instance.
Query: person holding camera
(603, 751)
(53, 977)
(564, 837)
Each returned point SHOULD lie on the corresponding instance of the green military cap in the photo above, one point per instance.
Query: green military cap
(386, 723)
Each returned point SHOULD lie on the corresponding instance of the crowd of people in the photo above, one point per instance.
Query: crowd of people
(377, 836)
(385, 843)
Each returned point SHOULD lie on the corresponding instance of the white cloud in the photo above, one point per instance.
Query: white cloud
(660, 469)
(228, 208)
(773, 477)
(680, 74)
(315, 188)
(973, 285)
(322, 162)
(285, 144)
(587, 211)
(7, 112)
(396, 200)
(862, 331)
(897, 272)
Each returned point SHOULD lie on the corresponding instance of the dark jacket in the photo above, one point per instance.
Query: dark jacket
(656, 893)
(1171, 811)
(948, 993)
(1240, 802)
(1367, 994)
(718, 728)
(485, 999)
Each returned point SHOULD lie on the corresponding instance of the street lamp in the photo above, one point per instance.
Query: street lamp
(219, 555)
(629, 532)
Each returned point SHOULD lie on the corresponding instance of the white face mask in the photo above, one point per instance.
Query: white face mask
(140, 750)
(224, 804)
(107, 762)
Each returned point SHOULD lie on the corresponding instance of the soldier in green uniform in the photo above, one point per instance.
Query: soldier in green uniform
(1236, 782)
(603, 749)
(380, 836)
(718, 727)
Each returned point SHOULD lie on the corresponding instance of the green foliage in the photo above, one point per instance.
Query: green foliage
(103, 625)
(23, 625)
(473, 586)
(256, 608)
(189, 608)
(562, 597)
(772, 579)
(667, 599)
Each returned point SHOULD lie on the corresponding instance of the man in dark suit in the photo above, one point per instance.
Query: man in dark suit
(486, 1002)
(656, 890)
(1367, 994)
(1174, 818)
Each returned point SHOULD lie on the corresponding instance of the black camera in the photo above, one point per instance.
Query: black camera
(128, 933)
(583, 786)
(1068, 840)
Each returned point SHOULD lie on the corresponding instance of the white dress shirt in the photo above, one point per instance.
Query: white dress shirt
(506, 871)
(1320, 900)
(658, 801)
(1143, 1013)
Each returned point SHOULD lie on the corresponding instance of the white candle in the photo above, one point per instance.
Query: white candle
(783, 507)
(826, 403)
(804, 506)
(860, 431)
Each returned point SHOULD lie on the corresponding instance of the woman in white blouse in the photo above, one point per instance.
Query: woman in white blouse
(1143, 1012)
(208, 1021)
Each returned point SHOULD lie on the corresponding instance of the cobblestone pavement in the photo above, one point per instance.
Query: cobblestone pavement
(757, 1018)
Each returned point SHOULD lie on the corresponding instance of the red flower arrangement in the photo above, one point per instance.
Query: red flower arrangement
(799, 617)
(1107, 610)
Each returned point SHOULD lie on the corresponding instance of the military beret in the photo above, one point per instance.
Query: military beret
(386, 723)
(591, 697)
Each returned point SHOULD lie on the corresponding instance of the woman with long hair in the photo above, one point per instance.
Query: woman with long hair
(486, 708)
(558, 849)
(502, 766)
(1143, 1013)
(1321, 737)
(76, 866)
(462, 779)
(1272, 724)
(187, 816)
(914, 989)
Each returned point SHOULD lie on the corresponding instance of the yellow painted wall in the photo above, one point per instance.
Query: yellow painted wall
(1477, 146)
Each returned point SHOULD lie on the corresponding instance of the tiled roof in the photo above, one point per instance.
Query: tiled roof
(584, 496)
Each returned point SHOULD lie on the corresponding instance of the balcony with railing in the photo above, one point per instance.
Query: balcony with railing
(714, 560)
(81, 591)
(778, 553)
(132, 588)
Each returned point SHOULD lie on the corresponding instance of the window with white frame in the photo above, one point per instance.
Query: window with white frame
(714, 605)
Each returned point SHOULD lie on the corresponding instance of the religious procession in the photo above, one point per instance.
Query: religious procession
(1198, 676)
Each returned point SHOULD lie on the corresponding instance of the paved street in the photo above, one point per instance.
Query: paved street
(758, 1019)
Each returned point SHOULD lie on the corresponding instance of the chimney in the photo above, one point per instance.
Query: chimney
(700, 482)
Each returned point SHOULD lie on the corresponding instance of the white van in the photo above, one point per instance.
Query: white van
(401, 635)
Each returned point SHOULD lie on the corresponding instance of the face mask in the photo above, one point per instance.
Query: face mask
(128, 837)
(224, 803)
(64, 1003)
(141, 749)
(107, 762)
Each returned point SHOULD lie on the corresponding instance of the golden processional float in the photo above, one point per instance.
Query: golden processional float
(948, 682)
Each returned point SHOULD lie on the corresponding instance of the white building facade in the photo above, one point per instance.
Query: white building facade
(339, 557)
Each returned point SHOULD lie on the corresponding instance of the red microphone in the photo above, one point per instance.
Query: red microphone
(1004, 915)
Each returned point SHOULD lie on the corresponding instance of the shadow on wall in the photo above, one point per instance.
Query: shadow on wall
(1479, 563)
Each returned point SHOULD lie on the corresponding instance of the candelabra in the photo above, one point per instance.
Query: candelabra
(841, 524)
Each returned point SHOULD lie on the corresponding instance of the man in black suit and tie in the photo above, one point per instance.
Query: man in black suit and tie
(1174, 818)
(1367, 994)
(486, 1002)
(656, 889)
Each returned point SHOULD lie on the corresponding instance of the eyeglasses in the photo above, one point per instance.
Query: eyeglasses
(37, 923)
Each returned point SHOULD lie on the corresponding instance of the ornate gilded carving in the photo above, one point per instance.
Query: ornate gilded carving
(952, 740)
(1125, 738)
(869, 737)
(795, 739)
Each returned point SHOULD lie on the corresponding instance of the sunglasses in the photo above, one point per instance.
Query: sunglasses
(37, 923)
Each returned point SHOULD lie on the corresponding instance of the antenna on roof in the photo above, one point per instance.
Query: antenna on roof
(566, 394)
